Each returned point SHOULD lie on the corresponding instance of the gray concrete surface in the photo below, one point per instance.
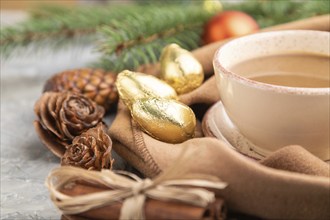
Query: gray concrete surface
(25, 162)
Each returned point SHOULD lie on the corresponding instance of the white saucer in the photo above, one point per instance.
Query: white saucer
(216, 123)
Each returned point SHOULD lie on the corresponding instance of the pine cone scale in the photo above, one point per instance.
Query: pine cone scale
(58, 100)
(68, 134)
(89, 88)
(46, 114)
(80, 105)
(51, 142)
(95, 80)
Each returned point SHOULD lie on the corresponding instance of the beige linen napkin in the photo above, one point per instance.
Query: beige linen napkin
(252, 188)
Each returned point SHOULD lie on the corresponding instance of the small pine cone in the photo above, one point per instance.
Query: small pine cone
(91, 150)
(62, 116)
(96, 84)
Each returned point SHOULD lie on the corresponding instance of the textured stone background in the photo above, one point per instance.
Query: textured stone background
(25, 162)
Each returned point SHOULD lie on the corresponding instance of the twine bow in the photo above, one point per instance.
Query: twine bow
(132, 190)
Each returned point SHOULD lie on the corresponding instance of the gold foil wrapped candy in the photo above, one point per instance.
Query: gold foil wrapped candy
(164, 119)
(133, 86)
(180, 69)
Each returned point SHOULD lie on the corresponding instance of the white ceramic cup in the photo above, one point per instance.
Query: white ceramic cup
(272, 116)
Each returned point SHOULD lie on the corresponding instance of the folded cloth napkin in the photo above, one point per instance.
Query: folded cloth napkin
(297, 159)
(298, 187)
(252, 188)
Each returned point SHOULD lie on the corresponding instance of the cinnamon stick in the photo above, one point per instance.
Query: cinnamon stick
(153, 209)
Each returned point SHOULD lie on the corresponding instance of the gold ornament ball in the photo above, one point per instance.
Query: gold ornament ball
(180, 69)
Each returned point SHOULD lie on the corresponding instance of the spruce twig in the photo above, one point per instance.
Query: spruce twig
(151, 32)
(122, 29)
(59, 26)
(269, 12)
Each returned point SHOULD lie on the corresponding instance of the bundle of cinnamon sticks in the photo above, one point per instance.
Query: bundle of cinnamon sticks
(153, 209)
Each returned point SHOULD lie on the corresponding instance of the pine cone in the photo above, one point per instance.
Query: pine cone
(62, 116)
(91, 150)
(96, 84)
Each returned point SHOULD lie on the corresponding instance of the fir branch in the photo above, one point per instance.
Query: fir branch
(149, 52)
(140, 39)
(270, 12)
(61, 27)
(125, 45)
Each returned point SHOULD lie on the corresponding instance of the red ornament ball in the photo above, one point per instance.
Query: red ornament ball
(228, 24)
